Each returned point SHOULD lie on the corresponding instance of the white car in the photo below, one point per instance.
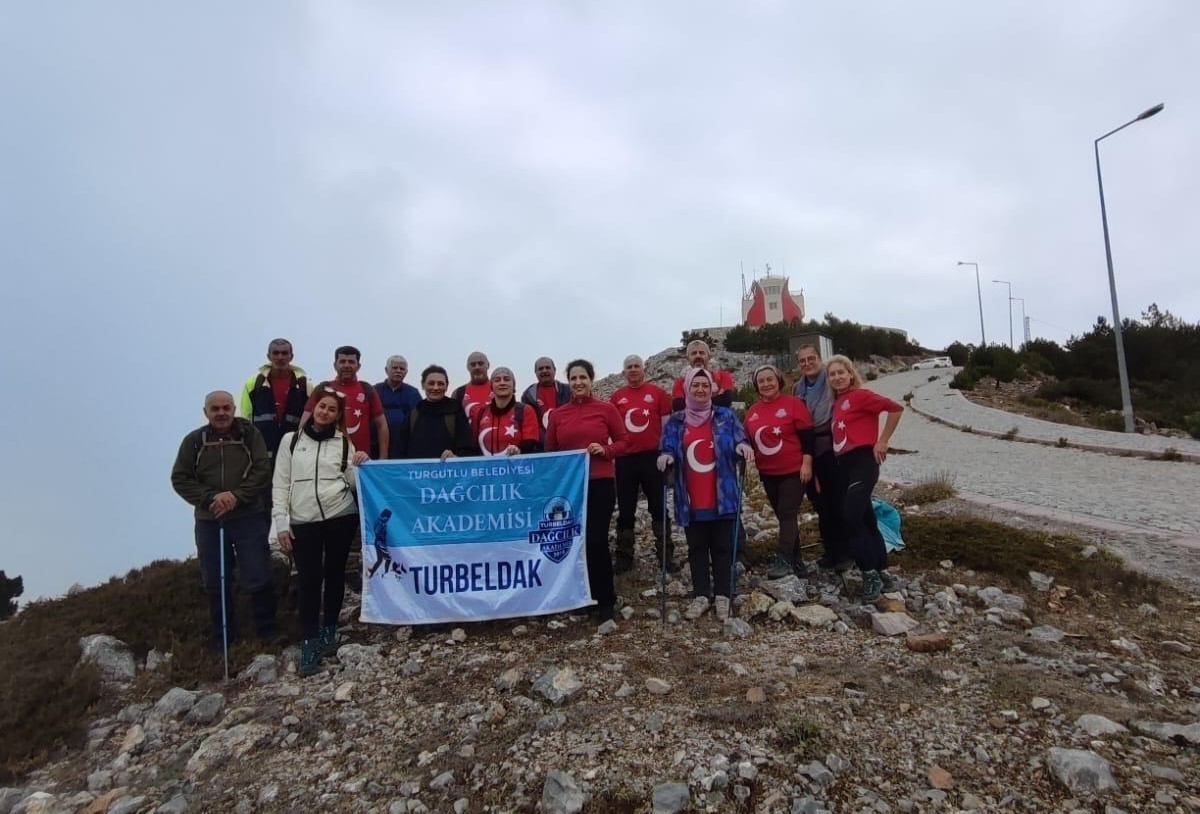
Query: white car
(935, 362)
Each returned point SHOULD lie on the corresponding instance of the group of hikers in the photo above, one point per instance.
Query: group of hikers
(290, 458)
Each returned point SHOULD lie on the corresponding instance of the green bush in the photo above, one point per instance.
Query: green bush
(1192, 423)
(964, 379)
(850, 338)
(958, 353)
(1110, 421)
(1100, 393)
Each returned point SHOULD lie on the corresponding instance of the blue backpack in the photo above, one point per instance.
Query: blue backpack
(888, 520)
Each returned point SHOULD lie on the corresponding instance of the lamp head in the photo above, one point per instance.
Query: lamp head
(1151, 112)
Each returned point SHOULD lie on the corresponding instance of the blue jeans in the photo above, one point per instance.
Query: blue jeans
(246, 550)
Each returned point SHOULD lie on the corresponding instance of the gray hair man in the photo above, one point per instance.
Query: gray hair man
(546, 393)
(813, 389)
(643, 406)
(222, 470)
(398, 399)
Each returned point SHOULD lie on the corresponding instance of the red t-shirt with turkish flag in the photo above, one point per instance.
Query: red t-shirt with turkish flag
(642, 409)
(722, 378)
(496, 431)
(700, 458)
(855, 420)
(280, 385)
(475, 396)
(774, 428)
(360, 410)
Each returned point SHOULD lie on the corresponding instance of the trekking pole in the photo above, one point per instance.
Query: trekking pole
(224, 597)
(737, 518)
(662, 578)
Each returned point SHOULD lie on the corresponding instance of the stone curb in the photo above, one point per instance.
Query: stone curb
(1124, 452)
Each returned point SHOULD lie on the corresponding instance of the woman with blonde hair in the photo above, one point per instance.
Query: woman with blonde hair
(860, 448)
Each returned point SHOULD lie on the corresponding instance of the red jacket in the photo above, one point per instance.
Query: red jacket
(588, 421)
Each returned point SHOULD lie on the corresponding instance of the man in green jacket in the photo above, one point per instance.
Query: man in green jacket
(222, 469)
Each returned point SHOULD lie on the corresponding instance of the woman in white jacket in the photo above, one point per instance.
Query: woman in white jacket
(316, 516)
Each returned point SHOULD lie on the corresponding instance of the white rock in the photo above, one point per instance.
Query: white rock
(892, 624)
(1132, 648)
(111, 657)
(1041, 582)
(558, 684)
(177, 701)
(657, 686)
(561, 794)
(1170, 733)
(1098, 726)
(264, 669)
(814, 615)
(670, 798)
(225, 745)
(1082, 772)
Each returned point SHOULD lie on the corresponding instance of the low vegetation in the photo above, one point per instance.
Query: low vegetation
(1012, 553)
(1163, 359)
(939, 486)
(46, 698)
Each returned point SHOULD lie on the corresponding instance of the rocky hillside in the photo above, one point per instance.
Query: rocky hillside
(665, 366)
(962, 692)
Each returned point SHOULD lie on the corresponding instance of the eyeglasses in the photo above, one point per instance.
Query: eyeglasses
(331, 391)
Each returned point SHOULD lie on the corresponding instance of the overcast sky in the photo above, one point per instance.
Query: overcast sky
(181, 182)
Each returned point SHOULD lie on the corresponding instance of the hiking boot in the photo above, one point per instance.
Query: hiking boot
(697, 608)
(842, 566)
(781, 568)
(890, 583)
(310, 657)
(872, 586)
(826, 563)
(799, 568)
(721, 608)
(329, 639)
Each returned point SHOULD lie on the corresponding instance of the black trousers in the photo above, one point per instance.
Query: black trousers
(246, 552)
(829, 517)
(635, 472)
(601, 500)
(710, 556)
(857, 474)
(785, 493)
(321, 550)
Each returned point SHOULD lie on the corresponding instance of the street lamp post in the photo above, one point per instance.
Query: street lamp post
(979, 292)
(1122, 373)
(1010, 299)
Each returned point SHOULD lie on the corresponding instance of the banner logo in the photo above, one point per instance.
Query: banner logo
(556, 531)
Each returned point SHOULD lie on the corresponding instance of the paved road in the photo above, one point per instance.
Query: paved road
(1159, 496)
(938, 400)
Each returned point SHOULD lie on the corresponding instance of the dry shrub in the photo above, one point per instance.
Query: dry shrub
(46, 700)
(936, 487)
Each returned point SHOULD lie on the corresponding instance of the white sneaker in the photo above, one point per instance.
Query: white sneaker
(721, 606)
(697, 608)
